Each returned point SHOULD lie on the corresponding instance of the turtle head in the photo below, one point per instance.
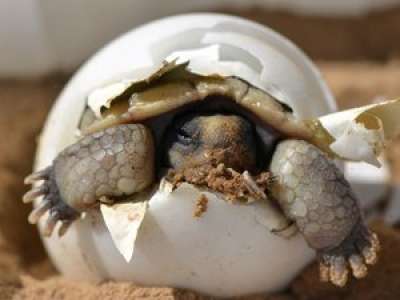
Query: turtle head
(211, 139)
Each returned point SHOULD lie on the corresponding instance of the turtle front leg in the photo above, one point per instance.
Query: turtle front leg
(101, 167)
(314, 193)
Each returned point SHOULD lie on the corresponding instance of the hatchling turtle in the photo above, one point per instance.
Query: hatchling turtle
(177, 120)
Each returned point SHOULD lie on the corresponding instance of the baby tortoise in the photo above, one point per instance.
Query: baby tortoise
(176, 119)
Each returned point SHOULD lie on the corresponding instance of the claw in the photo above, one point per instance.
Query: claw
(370, 255)
(338, 271)
(40, 175)
(50, 225)
(324, 272)
(64, 228)
(353, 255)
(357, 265)
(39, 211)
(34, 193)
(376, 245)
(52, 201)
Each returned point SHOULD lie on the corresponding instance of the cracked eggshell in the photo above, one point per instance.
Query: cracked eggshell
(229, 251)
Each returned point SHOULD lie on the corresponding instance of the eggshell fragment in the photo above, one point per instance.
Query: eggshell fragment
(360, 133)
(102, 97)
(123, 220)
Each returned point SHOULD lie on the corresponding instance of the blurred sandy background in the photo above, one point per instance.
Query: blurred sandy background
(357, 56)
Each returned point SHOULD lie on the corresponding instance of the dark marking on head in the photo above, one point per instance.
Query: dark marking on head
(211, 138)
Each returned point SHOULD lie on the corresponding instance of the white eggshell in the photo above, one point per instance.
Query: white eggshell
(228, 251)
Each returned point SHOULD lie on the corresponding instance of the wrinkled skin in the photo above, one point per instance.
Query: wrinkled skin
(101, 167)
(314, 193)
(311, 190)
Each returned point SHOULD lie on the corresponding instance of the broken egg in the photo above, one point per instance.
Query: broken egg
(166, 236)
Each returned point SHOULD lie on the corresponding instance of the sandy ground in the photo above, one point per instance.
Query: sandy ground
(27, 273)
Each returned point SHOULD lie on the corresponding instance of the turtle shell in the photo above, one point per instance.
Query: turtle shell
(174, 89)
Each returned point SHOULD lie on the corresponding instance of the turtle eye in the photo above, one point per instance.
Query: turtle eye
(184, 137)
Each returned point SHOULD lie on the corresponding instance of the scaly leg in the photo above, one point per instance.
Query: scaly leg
(100, 167)
(314, 193)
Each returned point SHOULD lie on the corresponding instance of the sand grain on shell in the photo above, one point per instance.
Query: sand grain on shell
(201, 206)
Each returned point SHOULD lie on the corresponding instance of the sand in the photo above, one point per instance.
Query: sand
(236, 187)
(27, 273)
